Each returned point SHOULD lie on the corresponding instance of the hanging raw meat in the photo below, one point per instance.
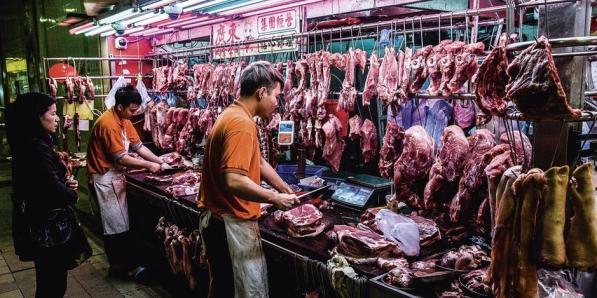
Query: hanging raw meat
(419, 68)
(470, 187)
(447, 169)
(388, 79)
(465, 66)
(354, 125)
(405, 69)
(348, 94)
(53, 86)
(324, 66)
(368, 140)
(535, 85)
(412, 167)
(334, 144)
(434, 66)
(391, 149)
(372, 80)
(491, 80)
(447, 65)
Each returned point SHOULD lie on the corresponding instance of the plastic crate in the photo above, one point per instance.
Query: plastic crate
(288, 172)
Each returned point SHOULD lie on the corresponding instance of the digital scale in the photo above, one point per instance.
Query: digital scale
(362, 191)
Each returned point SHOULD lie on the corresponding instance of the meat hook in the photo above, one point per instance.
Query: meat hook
(421, 27)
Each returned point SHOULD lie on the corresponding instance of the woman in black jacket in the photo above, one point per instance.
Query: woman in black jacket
(40, 186)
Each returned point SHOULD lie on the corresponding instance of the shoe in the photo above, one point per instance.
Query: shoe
(141, 276)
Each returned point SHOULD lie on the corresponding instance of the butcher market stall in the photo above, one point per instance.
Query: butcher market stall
(439, 148)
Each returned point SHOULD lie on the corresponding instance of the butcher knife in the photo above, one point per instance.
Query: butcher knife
(312, 194)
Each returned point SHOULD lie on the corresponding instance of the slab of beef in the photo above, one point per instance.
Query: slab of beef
(368, 140)
(367, 220)
(491, 80)
(429, 232)
(288, 80)
(334, 144)
(389, 264)
(187, 177)
(354, 125)
(172, 158)
(358, 243)
(465, 65)
(501, 157)
(391, 149)
(412, 167)
(388, 78)
(448, 166)
(183, 190)
(324, 66)
(447, 65)
(158, 179)
(360, 59)
(535, 85)
(348, 94)
(473, 184)
(419, 68)
(370, 90)
(433, 65)
(303, 221)
(400, 277)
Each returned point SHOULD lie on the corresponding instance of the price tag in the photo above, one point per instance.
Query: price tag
(286, 133)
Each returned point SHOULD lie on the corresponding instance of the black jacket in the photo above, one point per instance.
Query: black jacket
(39, 185)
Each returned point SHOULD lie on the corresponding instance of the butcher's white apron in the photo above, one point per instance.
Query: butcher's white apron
(246, 253)
(110, 189)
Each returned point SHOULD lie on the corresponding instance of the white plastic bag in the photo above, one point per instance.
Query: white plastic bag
(145, 99)
(399, 229)
(110, 100)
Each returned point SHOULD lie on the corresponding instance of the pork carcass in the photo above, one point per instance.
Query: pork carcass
(391, 149)
(465, 66)
(535, 85)
(325, 78)
(302, 221)
(444, 174)
(470, 187)
(433, 65)
(334, 144)
(368, 140)
(53, 86)
(372, 80)
(69, 87)
(357, 243)
(491, 80)
(354, 125)
(419, 68)
(360, 59)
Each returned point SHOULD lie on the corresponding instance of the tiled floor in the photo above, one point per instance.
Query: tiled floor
(17, 279)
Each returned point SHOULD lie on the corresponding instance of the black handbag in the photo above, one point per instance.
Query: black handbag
(61, 233)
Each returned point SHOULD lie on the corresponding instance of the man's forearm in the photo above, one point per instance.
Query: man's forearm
(269, 175)
(148, 155)
(243, 187)
(131, 162)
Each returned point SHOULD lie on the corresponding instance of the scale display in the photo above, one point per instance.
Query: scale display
(352, 194)
(286, 133)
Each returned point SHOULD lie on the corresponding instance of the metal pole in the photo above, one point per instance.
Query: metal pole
(97, 58)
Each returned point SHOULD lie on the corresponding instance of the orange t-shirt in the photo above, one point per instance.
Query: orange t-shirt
(106, 144)
(232, 147)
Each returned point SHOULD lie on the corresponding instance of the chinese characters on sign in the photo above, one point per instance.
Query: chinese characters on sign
(271, 25)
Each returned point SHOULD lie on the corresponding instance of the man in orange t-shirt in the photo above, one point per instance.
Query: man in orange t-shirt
(230, 187)
(112, 138)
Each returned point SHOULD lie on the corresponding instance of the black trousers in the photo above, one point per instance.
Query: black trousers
(50, 276)
(218, 255)
(122, 250)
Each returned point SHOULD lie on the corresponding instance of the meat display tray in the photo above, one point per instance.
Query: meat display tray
(139, 179)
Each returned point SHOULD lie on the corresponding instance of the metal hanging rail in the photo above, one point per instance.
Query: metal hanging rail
(409, 20)
(98, 59)
(557, 43)
(106, 77)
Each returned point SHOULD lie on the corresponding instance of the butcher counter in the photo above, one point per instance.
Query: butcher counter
(296, 265)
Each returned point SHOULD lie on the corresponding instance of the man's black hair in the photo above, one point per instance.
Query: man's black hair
(127, 95)
(259, 74)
